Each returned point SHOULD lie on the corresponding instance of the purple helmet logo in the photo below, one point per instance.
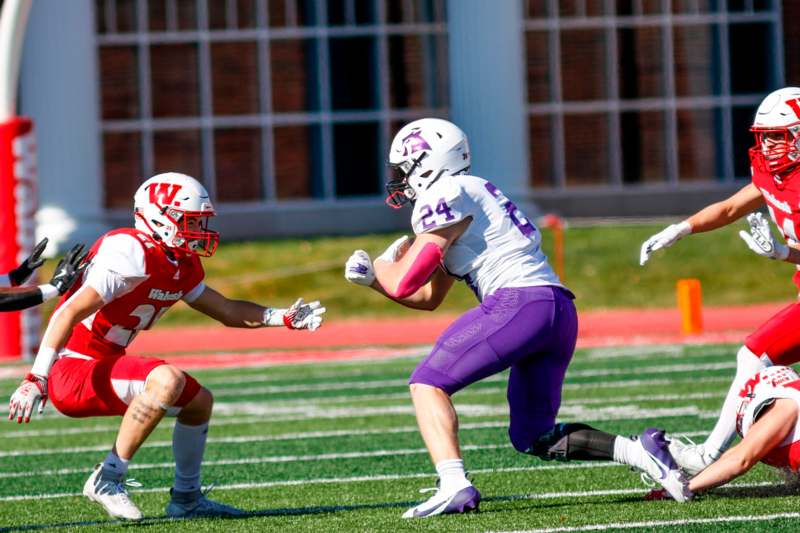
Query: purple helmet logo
(414, 142)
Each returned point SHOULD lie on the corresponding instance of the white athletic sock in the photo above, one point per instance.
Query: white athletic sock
(451, 475)
(747, 364)
(114, 463)
(628, 452)
(188, 445)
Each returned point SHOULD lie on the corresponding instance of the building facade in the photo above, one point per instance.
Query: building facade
(284, 109)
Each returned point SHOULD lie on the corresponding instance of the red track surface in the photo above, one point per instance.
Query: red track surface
(626, 326)
(201, 347)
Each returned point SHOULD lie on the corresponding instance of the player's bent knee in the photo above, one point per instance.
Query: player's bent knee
(167, 383)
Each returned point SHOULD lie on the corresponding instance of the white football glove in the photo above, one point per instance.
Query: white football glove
(663, 239)
(760, 239)
(359, 269)
(393, 251)
(32, 391)
(304, 315)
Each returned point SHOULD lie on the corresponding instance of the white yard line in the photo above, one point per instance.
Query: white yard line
(644, 352)
(10, 432)
(394, 477)
(367, 384)
(568, 413)
(321, 434)
(663, 523)
(102, 428)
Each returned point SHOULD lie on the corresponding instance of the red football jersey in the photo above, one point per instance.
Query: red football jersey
(111, 329)
(766, 386)
(783, 202)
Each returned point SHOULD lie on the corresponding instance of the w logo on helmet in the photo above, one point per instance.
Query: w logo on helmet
(164, 193)
(414, 143)
(795, 105)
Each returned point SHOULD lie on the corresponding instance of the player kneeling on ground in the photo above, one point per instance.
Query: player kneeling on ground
(467, 229)
(15, 298)
(767, 420)
(134, 277)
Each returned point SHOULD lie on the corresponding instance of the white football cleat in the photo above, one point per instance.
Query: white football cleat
(661, 467)
(691, 457)
(196, 505)
(108, 489)
(462, 500)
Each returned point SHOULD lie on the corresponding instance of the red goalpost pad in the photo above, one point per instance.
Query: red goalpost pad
(19, 331)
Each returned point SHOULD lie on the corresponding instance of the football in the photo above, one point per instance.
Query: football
(403, 248)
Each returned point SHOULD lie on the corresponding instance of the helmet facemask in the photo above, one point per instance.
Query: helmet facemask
(185, 231)
(400, 191)
(777, 149)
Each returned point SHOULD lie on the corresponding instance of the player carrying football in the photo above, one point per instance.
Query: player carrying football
(134, 277)
(775, 163)
(467, 229)
(15, 298)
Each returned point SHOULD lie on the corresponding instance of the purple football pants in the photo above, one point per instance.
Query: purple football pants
(533, 331)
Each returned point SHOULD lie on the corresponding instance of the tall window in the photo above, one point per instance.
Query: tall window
(264, 100)
(646, 91)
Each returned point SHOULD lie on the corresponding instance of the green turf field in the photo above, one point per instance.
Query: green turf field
(334, 447)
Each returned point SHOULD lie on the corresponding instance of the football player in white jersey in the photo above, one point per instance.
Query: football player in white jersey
(467, 229)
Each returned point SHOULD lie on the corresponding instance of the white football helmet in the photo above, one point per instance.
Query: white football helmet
(777, 127)
(422, 152)
(174, 208)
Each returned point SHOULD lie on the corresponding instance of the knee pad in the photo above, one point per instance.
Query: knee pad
(554, 445)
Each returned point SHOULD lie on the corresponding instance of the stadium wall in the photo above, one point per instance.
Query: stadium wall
(488, 95)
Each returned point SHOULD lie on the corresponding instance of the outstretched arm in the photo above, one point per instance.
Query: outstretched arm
(19, 298)
(245, 314)
(729, 210)
(711, 217)
(766, 434)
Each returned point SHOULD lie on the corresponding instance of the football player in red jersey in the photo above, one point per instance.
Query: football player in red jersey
(134, 276)
(767, 420)
(15, 298)
(775, 165)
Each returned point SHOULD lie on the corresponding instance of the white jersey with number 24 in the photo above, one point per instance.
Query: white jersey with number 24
(500, 247)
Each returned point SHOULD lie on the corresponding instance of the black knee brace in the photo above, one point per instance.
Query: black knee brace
(569, 441)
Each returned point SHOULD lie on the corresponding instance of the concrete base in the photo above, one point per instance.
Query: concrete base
(632, 202)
